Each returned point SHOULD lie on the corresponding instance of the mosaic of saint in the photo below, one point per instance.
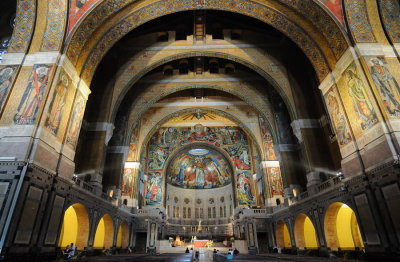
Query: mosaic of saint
(76, 121)
(57, 104)
(153, 186)
(268, 143)
(6, 79)
(363, 108)
(231, 139)
(199, 169)
(275, 181)
(338, 119)
(389, 90)
(33, 96)
(129, 182)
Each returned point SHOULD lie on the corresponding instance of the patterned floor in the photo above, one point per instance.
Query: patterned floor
(186, 258)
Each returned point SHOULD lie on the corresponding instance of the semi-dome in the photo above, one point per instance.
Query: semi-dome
(199, 168)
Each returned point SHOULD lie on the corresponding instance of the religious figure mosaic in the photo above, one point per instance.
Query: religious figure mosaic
(357, 101)
(231, 139)
(338, 118)
(388, 88)
(33, 96)
(57, 104)
(76, 121)
(7, 75)
(199, 169)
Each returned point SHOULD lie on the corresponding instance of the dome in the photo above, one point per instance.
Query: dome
(199, 168)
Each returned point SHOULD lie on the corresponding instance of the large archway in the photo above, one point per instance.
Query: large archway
(75, 227)
(304, 232)
(341, 228)
(123, 235)
(283, 239)
(104, 236)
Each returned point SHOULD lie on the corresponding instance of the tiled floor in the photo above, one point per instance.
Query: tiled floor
(204, 258)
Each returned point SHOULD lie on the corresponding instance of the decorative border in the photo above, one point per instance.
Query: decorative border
(25, 19)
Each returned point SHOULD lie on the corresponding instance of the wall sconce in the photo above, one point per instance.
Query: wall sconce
(340, 175)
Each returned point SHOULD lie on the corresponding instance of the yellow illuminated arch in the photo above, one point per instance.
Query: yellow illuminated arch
(282, 235)
(341, 228)
(75, 227)
(123, 235)
(305, 234)
(104, 233)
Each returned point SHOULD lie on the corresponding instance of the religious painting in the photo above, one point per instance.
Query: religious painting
(244, 188)
(77, 9)
(157, 157)
(199, 168)
(129, 182)
(268, 143)
(275, 181)
(57, 104)
(153, 189)
(133, 153)
(357, 101)
(388, 87)
(7, 74)
(240, 156)
(33, 96)
(76, 121)
(335, 6)
(338, 118)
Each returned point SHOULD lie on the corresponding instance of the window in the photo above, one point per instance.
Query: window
(189, 215)
(184, 212)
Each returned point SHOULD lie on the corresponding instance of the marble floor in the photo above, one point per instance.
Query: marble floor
(204, 258)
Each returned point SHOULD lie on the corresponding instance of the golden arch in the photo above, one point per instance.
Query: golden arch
(123, 235)
(304, 232)
(104, 233)
(308, 35)
(341, 228)
(283, 239)
(75, 227)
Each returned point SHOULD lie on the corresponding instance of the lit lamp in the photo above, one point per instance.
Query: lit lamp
(340, 175)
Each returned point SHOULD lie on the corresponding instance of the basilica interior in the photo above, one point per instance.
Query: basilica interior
(150, 126)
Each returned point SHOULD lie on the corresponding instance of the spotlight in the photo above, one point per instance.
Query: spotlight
(340, 175)
(343, 188)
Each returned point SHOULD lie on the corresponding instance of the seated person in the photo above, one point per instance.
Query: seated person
(187, 250)
(236, 252)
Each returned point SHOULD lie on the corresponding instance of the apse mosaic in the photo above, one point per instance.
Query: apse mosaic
(231, 139)
(199, 168)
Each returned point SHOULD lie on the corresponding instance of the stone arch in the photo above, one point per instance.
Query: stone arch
(191, 110)
(283, 239)
(279, 86)
(304, 232)
(341, 228)
(123, 235)
(75, 227)
(316, 47)
(104, 236)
